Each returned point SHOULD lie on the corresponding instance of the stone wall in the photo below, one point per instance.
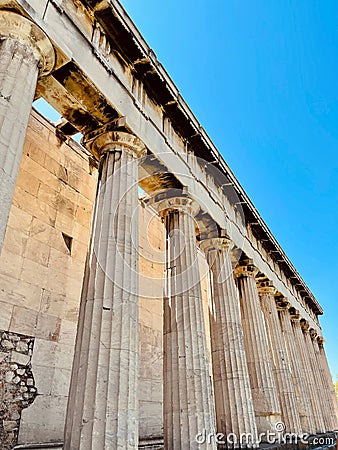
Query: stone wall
(41, 277)
(151, 266)
(17, 384)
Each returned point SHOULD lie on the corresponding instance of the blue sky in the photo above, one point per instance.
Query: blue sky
(262, 78)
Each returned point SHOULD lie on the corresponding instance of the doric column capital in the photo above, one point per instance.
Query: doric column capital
(107, 139)
(220, 243)
(321, 341)
(313, 334)
(14, 26)
(282, 303)
(266, 287)
(171, 200)
(246, 269)
(294, 315)
(305, 325)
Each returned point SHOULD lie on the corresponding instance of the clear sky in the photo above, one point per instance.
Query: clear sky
(262, 78)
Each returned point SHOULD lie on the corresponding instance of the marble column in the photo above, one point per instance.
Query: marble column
(306, 370)
(329, 383)
(263, 387)
(311, 368)
(233, 398)
(326, 402)
(280, 361)
(102, 409)
(188, 396)
(297, 371)
(25, 54)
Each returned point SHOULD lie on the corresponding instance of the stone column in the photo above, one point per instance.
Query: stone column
(297, 371)
(306, 370)
(326, 402)
(329, 383)
(233, 398)
(280, 361)
(103, 406)
(188, 396)
(25, 53)
(311, 367)
(263, 387)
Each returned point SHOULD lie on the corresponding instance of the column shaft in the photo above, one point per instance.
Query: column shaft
(315, 387)
(329, 384)
(188, 396)
(306, 370)
(103, 406)
(23, 48)
(264, 392)
(233, 398)
(280, 362)
(326, 402)
(297, 370)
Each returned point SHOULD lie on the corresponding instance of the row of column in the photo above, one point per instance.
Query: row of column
(267, 365)
(258, 378)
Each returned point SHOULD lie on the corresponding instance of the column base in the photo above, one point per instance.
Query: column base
(323, 441)
(151, 444)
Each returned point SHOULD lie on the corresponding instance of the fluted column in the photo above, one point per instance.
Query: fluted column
(233, 398)
(280, 361)
(188, 396)
(326, 402)
(103, 406)
(25, 53)
(263, 387)
(306, 370)
(329, 383)
(311, 367)
(297, 371)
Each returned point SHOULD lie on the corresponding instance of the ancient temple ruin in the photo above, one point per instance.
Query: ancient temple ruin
(144, 302)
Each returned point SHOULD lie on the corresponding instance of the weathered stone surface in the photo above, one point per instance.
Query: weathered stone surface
(188, 399)
(263, 387)
(279, 358)
(313, 379)
(302, 394)
(326, 400)
(17, 386)
(103, 406)
(233, 399)
(327, 380)
(39, 300)
(23, 47)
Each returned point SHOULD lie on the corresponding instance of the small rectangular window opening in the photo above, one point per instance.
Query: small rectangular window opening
(68, 241)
